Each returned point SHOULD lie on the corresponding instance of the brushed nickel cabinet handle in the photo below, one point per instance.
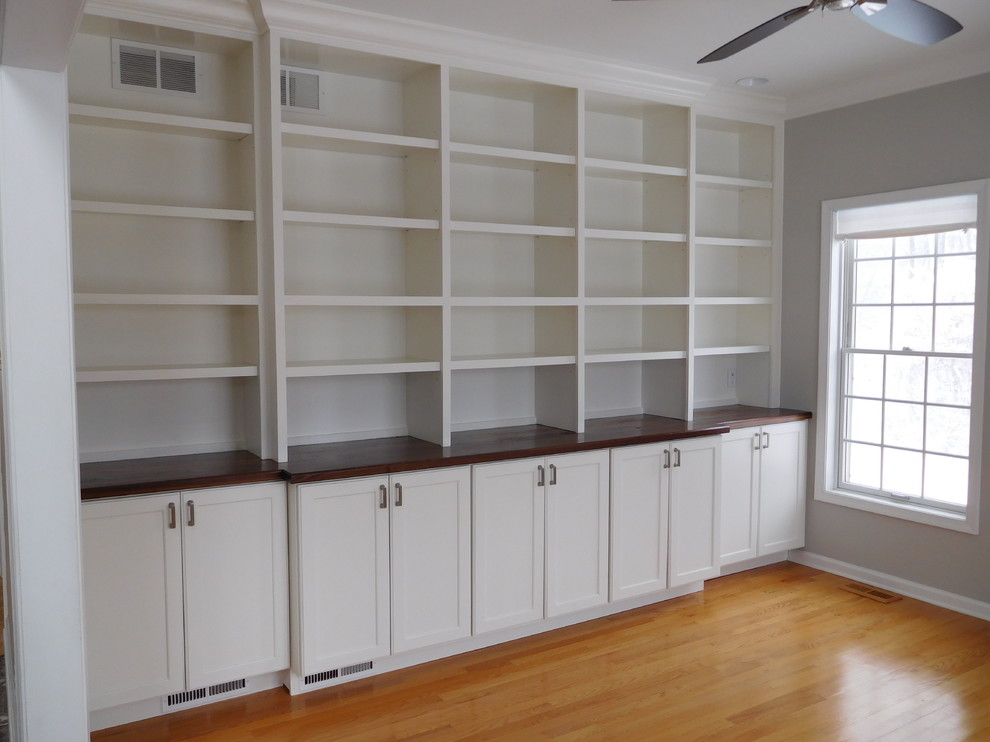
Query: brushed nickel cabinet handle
(666, 458)
(398, 495)
(756, 446)
(677, 457)
(171, 515)
(766, 440)
(553, 474)
(192, 513)
(542, 479)
(383, 500)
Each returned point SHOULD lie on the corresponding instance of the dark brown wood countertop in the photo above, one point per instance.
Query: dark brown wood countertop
(327, 461)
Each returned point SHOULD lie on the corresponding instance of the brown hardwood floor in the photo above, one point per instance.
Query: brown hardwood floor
(779, 653)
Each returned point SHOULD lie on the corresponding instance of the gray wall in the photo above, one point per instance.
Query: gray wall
(927, 137)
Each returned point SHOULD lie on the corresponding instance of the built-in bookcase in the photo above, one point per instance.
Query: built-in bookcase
(164, 243)
(432, 248)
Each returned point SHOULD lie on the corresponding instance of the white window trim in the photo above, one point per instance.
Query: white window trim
(826, 471)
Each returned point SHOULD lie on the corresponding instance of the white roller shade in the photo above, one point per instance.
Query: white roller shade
(912, 217)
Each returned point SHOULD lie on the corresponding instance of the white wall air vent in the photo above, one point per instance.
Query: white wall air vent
(139, 66)
(302, 90)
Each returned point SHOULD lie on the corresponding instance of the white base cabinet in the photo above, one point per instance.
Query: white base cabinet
(184, 590)
(763, 490)
(665, 504)
(381, 565)
(540, 538)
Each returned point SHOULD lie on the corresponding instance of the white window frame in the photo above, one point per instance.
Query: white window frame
(830, 375)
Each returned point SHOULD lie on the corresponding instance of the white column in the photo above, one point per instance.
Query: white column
(41, 475)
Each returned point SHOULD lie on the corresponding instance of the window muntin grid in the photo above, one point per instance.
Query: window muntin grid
(906, 360)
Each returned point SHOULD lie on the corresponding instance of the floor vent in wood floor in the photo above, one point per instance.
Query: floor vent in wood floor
(873, 593)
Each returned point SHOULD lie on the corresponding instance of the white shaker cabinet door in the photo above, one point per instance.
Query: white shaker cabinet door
(782, 486)
(342, 573)
(577, 532)
(430, 557)
(694, 517)
(508, 531)
(640, 504)
(132, 589)
(740, 495)
(237, 601)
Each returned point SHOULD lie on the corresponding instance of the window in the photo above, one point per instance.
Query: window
(904, 292)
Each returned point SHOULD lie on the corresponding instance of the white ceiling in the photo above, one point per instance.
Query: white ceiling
(826, 60)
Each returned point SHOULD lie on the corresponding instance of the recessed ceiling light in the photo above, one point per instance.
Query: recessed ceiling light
(751, 82)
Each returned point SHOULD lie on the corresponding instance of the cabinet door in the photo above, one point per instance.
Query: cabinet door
(508, 530)
(236, 579)
(132, 591)
(431, 557)
(740, 494)
(694, 518)
(782, 487)
(342, 573)
(640, 502)
(577, 532)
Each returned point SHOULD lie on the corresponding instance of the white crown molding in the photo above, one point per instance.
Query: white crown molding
(933, 595)
(441, 44)
(220, 16)
(883, 86)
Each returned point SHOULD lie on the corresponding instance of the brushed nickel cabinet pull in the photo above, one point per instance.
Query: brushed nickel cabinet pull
(171, 515)
(383, 500)
(398, 495)
(666, 458)
(756, 446)
(766, 440)
(192, 513)
(542, 480)
(553, 474)
(677, 457)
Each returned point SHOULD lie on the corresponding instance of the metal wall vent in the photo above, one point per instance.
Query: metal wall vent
(146, 67)
(188, 696)
(341, 672)
(360, 667)
(301, 89)
(199, 696)
(320, 677)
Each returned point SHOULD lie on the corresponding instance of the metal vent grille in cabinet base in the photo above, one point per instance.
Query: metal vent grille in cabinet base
(340, 672)
(200, 696)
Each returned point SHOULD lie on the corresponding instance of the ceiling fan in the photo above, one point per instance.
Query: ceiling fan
(910, 20)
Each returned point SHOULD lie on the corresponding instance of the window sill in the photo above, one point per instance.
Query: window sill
(963, 522)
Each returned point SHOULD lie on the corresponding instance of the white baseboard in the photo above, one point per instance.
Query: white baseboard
(933, 595)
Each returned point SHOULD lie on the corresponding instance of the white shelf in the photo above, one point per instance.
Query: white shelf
(633, 354)
(359, 220)
(731, 242)
(523, 360)
(628, 170)
(178, 212)
(732, 350)
(297, 300)
(480, 154)
(731, 183)
(637, 301)
(628, 234)
(82, 113)
(311, 369)
(521, 229)
(164, 373)
(218, 300)
(733, 300)
(514, 301)
(345, 140)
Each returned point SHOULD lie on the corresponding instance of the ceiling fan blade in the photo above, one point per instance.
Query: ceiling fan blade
(911, 20)
(759, 33)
